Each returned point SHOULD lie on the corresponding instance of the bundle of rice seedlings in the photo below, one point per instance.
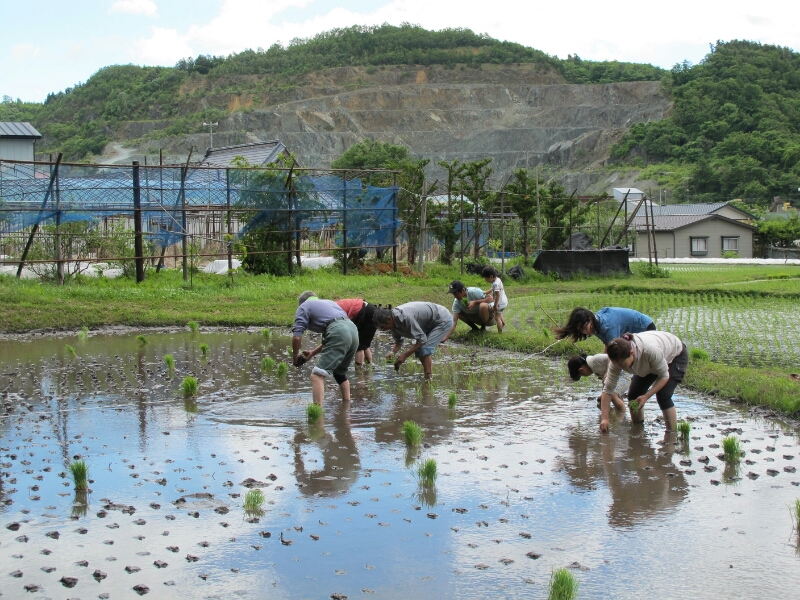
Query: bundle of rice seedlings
(189, 385)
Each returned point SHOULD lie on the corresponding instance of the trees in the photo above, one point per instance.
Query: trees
(522, 197)
(444, 218)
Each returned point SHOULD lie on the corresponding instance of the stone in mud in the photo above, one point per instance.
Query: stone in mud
(82, 563)
(82, 530)
(45, 551)
(68, 582)
(48, 569)
(789, 469)
(709, 469)
(338, 596)
(53, 534)
(481, 567)
(254, 483)
(13, 526)
(507, 561)
(102, 514)
(203, 576)
(752, 475)
(132, 569)
(222, 510)
(141, 589)
(155, 505)
(32, 587)
(525, 535)
(173, 548)
(714, 482)
(99, 575)
(533, 555)
(160, 564)
(460, 511)
(192, 558)
(265, 534)
(772, 472)
(22, 538)
(16, 574)
(433, 516)
(194, 514)
(140, 522)
(169, 583)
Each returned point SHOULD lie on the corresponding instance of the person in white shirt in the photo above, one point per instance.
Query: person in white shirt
(498, 292)
(657, 360)
(597, 364)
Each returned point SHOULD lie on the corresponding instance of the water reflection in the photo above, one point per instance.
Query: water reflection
(338, 450)
(642, 480)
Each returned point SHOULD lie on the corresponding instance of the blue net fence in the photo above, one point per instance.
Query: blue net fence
(66, 218)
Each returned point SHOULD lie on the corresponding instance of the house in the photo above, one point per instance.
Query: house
(17, 142)
(257, 154)
(723, 209)
(688, 236)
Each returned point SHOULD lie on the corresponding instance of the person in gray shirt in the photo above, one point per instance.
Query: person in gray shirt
(426, 323)
(338, 347)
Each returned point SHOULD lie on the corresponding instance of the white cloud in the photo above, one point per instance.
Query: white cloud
(164, 47)
(147, 8)
(26, 51)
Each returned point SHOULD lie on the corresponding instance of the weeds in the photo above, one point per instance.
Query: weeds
(283, 369)
(204, 349)
(254, 501)
(189, 386)
(80, 474)
(193, 326)
(427, 472)
(413, 433)
(684, 429)
(169, 361)
(732, 449)
(70, 350)
(452, 399)
(563, 585)
(313, 412)
(141, 339)
(267, 363)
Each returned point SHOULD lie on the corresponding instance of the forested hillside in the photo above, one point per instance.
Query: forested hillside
(734, 129)
(80, 121)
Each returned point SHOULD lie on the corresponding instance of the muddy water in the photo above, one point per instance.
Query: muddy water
(526, 483)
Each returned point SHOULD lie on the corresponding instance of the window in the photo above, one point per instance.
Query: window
(730, 244)
(699, 246)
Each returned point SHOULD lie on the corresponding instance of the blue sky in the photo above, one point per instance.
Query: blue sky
(48, 45)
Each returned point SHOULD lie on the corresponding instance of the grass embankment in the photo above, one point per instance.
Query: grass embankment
(164, 300)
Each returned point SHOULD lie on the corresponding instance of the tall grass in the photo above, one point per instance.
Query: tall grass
(732, 449)
(427, 471)
(80, 474)
(563, 585)
(189, 385)
(313, 412)
(169, 361)
(412, 433)
(193, 326)
(254, 500)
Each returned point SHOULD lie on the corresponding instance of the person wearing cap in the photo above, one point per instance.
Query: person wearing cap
(338, 347)
(426, 323)
(597, 364)
(471, 305)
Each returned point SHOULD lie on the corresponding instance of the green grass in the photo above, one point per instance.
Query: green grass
(83, 334)
(189, 386)
(313, 412)
(684, 429)
(266, 333)
(426, 472)
(204, 349)
(283, 369)
(698, 354)
(193, 326)
(141, 339)
(563, 585)
(70, 350)
(254, 501)
(80, 474)
(412, 433)
(267, 363)
(169, 361)
(452, 400)
(732, 449)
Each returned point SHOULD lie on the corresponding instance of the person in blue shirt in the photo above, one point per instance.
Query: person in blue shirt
(607, 324)
(471, 305)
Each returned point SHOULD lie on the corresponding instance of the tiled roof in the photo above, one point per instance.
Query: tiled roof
(9, 129)
(688, 209)
(259, 153)
(673, 222)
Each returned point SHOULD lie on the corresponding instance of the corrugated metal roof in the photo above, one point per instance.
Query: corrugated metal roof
(702, 208)
(673, 222)
(18, 130)
(259, 153)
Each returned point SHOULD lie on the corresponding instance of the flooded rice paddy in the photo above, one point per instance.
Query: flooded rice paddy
(526, 483)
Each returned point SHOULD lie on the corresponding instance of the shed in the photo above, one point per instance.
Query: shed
(694, 236)
(17, 143)
(257, 154)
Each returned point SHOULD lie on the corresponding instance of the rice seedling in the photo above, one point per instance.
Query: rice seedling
(265, 333)
(283, 369)
(684, 429)
(634, 405)
(563, 585)
(80, 474)
(732, 449)
(193, 326)
(698, 355)
(452, 399)
(204, 349)
(796, 516)
(189, 385)
(313, 412)
(267, 363)
(83, 334)
(413, 433)
(141, 339)
(254, 500)
(169, 361)
(70, 350)
(426, 472)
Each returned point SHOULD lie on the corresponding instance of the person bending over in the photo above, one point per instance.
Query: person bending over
(360, 312)
(607, 324)
(471, 305)
(426, 323)
(338, 347)
(597, 364)
(657, 360)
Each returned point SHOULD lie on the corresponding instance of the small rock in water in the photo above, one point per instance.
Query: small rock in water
(752, 475)
(82, 563)
(160, 564)
(48, 569)
(141, 589)
(16, 574)
(53, 534)
(132, 569)
(99, 575)
(69, 582)
(533, 555)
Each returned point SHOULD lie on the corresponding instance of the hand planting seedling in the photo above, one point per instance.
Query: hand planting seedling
(193, 326)
(313, 412)
(413, 433)
(204, 349)
(189, 386)
(141, 339)
(427, 472)
(80, 474)
(634, 405)
(267, 363)
(563, 585)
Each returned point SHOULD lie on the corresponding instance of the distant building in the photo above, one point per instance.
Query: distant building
(257, 154)
(698, 236)
(17, 142)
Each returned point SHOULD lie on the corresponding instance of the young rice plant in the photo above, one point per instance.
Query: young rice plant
(684, 429)
(283, 369)
(732, 449)
(141, 339)
(70, 350)
(83, 334)
(204, 349)
(452, 399)
(169, 361)
(427, 472)
(563, 585)
(80, 474)
(265, 333)
(193, 326)
(413, 433)
(267, 363)
(313, 412)
(189, 386)
(254, 500)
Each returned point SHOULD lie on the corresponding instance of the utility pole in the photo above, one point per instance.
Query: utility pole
(211, 131)
(538, 214)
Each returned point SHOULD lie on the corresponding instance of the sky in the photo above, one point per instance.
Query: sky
(47, 45)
